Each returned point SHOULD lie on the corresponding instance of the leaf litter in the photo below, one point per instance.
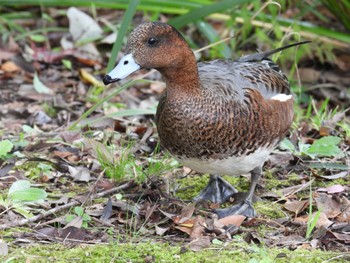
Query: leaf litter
(40, 97)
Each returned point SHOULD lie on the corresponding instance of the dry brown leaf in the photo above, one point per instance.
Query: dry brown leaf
(322, 221)
(76, 222)
(184, 229)
(186, 213)
(161, 230)
(199, 243)
(198, 229)
(236, 220)
(296, 206)
(10, 67)
(328, 205)
(332, 189)
(188, 223)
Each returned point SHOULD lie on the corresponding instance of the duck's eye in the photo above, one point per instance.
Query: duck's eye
(152, 41)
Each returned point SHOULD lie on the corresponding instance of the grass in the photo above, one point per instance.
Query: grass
(167, 252)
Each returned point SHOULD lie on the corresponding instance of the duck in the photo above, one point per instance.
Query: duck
(221, 117)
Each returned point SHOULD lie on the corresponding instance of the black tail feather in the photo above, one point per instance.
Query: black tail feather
(263, 55)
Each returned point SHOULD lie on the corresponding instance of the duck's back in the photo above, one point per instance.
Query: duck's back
(239, 111)
(233, 78)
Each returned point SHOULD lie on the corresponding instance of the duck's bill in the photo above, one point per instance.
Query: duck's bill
(125, 67)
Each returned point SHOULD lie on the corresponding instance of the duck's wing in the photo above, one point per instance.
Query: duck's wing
(232, 78)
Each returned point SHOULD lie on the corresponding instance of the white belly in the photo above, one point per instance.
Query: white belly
(230, 166)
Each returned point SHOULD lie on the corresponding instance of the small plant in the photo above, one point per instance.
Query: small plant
(326, 146)
(5, 148)
(39, 170)
(79, 212)
(312, 219)
(20, 196)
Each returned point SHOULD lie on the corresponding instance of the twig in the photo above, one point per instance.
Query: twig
(63, 207)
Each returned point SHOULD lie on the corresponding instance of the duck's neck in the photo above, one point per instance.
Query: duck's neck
(182, 78)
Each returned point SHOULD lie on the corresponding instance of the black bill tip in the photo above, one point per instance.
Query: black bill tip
(108, 80)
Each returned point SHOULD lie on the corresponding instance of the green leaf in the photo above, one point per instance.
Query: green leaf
(79, 210)
(69, 218)
(5, 147)
(67, 64)
(337, 166)
(206, 10)
(287, 145)
(38, 38)
(326, 146)
(23, 210)
(39, 86)
(28, 130)
(19, 186)
(28, 195)
(216, 241)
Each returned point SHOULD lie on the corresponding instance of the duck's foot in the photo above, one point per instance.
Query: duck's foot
(218, 190)
(244, 208)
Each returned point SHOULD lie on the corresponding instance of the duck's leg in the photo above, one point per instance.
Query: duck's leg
(217, 191)
(245, 207)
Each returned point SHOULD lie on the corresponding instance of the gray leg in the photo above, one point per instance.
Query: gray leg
(217, 191)
(245, 207)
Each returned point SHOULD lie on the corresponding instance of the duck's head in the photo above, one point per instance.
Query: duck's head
(151, 45)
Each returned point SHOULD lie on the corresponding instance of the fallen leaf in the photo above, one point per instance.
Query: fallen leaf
(236, 220)
(3, 248)
(334, 176)
(184, 229)
(296, 206)
(82, 26)
(10, 67)
(40, 87)
(323, 221)
(186, 213)
(79, 173)
(90, 79)
(76, 222)
(328, 205)
(198, 228)
(199, 243)
(161, 230)
(332, 189)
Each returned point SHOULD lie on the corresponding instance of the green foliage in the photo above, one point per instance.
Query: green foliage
(67, 64)
(326, 146)
(37, 169)
(20, 196)
(128, 15)
(79, 212)
(5, 147)
(128, 166)
(312, 219)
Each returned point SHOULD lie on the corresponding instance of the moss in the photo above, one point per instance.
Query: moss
(152, 251)
(269, 209)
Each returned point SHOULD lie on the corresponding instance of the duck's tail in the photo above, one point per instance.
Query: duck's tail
(264, 55)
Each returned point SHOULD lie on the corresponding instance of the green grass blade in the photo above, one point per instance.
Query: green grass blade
(206, 10)
(207, 30)
(129, 13)
(93, 108)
